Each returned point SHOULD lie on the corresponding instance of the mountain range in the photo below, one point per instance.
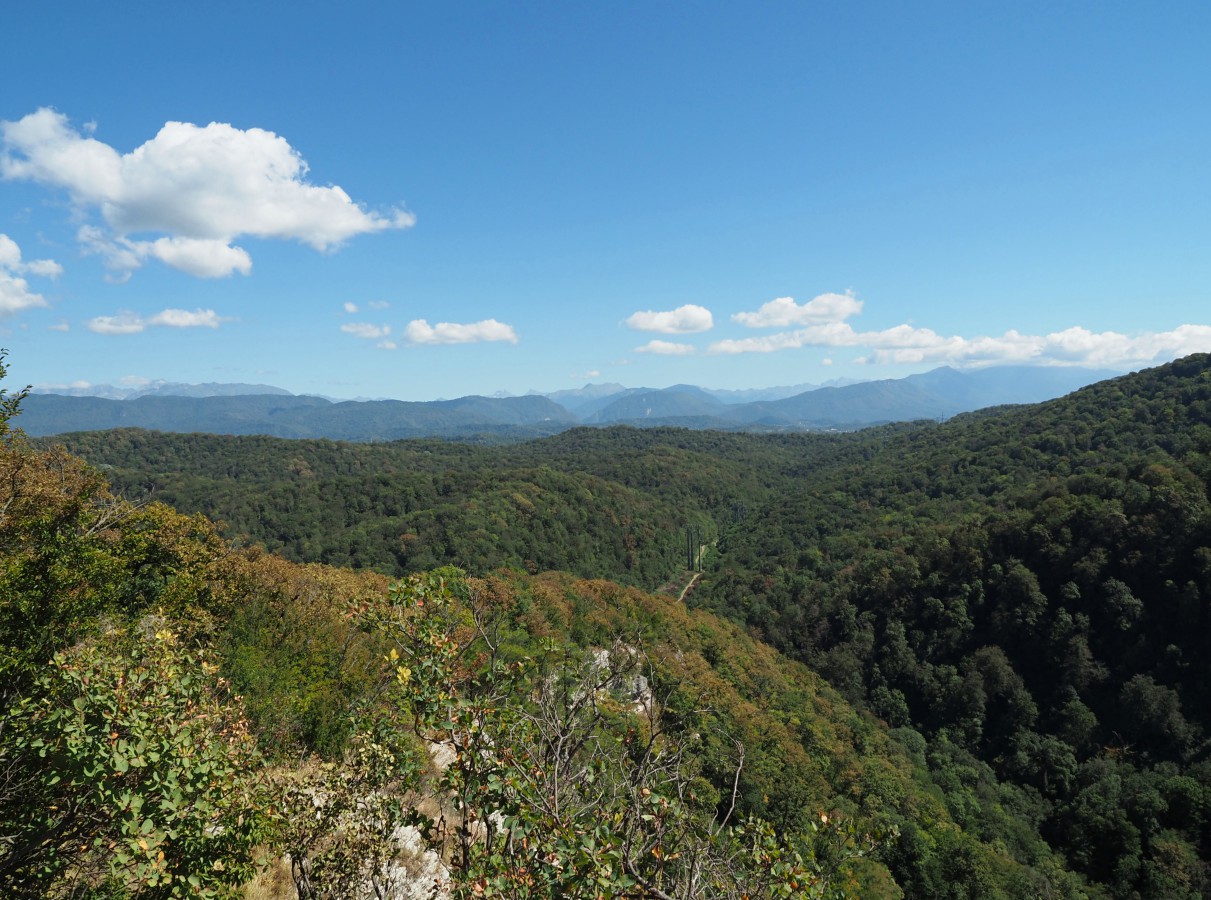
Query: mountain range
(260, 409)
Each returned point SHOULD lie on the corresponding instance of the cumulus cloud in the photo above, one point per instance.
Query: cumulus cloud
(666, 348)
(187, 194)
(350, 307)
(15, 293)
(420, 331)
(783, 311)
(687, 319)
(132, 323)
(366, 331)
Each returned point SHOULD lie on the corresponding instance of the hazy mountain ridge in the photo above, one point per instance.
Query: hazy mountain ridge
(295, 417)
(942, 392)
(245, 409)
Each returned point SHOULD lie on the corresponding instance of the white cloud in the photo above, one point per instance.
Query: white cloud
(203, 258)
(10, 253)
(122, 323)
(666, 348)
(15, 292)
(787, 341)
(44, 268)
(59, 326)
(366, 331)
(130, 323)
(687, 319)
(197, 188)
(350, 307)
(378, 304)
(783, 311)
(387, 345)
(420, 331)
(181, 318)
(15, 295)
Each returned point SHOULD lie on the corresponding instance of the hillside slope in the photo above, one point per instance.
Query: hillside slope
(1029, 590)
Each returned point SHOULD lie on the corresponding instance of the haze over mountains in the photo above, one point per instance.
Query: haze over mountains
(261, 409)
(162, 389)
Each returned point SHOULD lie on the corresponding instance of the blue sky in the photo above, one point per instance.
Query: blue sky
(433, 200)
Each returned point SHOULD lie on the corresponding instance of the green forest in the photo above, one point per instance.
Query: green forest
(958, 660)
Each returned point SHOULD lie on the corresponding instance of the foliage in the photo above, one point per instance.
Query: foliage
(72, 553)
(302, 666)
(342, 821)
(612, 503)
(129, 765)
(565, 781)
(10, 404)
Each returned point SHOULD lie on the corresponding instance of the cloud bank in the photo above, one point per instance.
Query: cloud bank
(185, 196)
(688, 319)
(907, 344)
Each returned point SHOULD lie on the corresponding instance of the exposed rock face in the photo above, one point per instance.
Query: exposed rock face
(419, 873)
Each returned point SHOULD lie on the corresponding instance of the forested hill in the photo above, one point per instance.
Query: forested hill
(1025, 590)
(1030, 591)
(609, 503)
